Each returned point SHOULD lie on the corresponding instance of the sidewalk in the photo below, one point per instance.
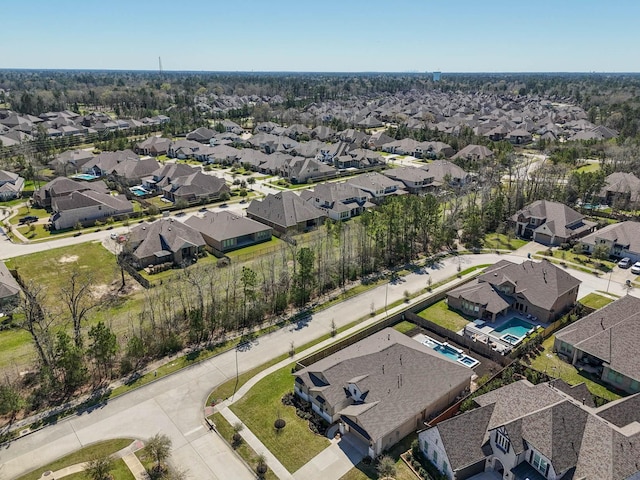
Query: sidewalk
(223, 407)
(127, 454)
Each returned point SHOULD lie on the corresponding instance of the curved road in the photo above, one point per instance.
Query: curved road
(174, 405)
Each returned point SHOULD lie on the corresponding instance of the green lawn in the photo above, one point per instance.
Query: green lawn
(440, 314)
(295, 445)
(362, 471)
(24, 211)
(553, 366)
(404, 326)
(15, 348)
(92, 258)
(258, 249)
(499, 241)
(581, 259)
(83, 455)
(589, 167)
(245, 451)
(13, 203)
(120, 472)
(593, 300)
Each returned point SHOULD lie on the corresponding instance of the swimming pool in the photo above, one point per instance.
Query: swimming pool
(449, 352)
(514, 330)
(84, 176)
(138, 191)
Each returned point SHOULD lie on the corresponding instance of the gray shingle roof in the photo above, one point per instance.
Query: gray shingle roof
(611, 334)
(8, 285)
(224, 225)
(285, 209)
(541, 283)
(626, 234)
(165, 234)
(402, 378)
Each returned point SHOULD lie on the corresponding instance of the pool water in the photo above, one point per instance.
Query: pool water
(515, 327)
(450, 352)
(512, 339)
(447, 352)
(138, 192)
(84, 176)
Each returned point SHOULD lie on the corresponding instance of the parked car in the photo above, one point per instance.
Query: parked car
(28, 219)
(635, 269)
(625, 262)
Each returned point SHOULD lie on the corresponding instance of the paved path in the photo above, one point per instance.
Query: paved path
(333, 462)
(135, 466)
(174, 404)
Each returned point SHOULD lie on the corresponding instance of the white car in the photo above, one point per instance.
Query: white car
(635, 269)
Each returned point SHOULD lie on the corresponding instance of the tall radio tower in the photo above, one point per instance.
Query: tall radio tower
(160, 65)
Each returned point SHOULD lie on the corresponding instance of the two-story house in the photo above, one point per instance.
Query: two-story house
(550, 223)
(416, 180)
(340, 201)
(539, 289)
(618, 239)
(548, 431)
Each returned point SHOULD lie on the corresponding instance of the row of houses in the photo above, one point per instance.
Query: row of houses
(17, 128)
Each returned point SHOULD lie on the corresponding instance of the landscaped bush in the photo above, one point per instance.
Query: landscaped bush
(317, 424)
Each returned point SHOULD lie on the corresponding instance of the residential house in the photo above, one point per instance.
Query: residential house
(621, 189)
(539, 289)
(153, 146)
(519, 136)
(233, 127)
(303, 170)
(551, 223)
(61, 186)
(132, 171)
(9, 290)
(446, 172)
(618, 239)
(286, 213)
(433, 150)
(340, 201)
(223, 154)
(405, 146)
(106, 162)
(226, 231)
(381, 388)
(416, 180)
(323, 133)
(379, 139)
(11, 185)
(201, 134)
(164, 241)
(86, 207)
(71, 161)
(473, 153)
(549, 431)
(196, 187)
(164, 175)
(605, 344)
(377, 186)
(184, 149)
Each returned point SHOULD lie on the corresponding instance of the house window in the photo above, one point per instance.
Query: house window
(445, 467)
(435, 457)
(614, 376)
(539, 463)
(502, 441)
(425, 447)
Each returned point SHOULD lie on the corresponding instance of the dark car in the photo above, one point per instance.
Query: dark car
(28, 219)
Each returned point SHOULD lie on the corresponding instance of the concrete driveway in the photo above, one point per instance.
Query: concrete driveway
(334, 461)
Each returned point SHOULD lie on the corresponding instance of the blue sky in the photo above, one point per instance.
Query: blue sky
(326, 35)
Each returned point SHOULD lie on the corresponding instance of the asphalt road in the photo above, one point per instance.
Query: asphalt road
(174, 404)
